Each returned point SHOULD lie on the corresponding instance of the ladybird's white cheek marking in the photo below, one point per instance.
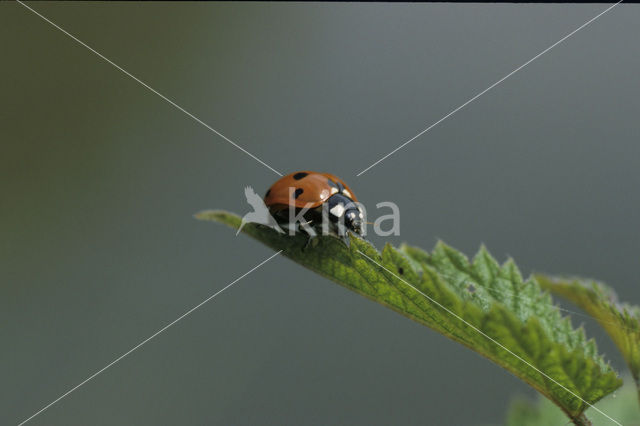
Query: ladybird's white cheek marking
(347, 193)
(337, 210)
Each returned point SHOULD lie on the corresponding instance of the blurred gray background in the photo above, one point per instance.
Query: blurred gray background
(100, 179)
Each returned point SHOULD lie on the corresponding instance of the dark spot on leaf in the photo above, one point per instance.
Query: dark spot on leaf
(471, 288)
(298, 192)
(300, 175)
(400, 271)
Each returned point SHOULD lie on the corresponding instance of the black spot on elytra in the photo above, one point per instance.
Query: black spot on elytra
(400, 271)
(300, 175)
(298, 192)
(268, 192)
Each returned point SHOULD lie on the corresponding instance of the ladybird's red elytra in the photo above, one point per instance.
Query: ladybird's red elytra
(314, 191)
(310, 189)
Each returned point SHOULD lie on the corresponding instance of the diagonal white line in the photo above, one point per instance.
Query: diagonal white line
(450, 312)
(492, 86)
(146, 340)
(151, 88)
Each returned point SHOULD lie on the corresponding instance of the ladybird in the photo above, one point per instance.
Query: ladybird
(314, 192)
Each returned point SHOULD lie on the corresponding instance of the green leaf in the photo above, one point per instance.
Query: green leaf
(620, 320)
(622, 406)
(481, 304)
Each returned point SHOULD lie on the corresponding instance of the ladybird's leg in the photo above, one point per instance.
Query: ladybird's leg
(342, 234)
(281, 221)
(306, 227)
(290, 228)
(342, 230)
(311, 233)
(311, 241)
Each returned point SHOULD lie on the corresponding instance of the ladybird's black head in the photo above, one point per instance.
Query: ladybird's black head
(344, 210)
(353, 220)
